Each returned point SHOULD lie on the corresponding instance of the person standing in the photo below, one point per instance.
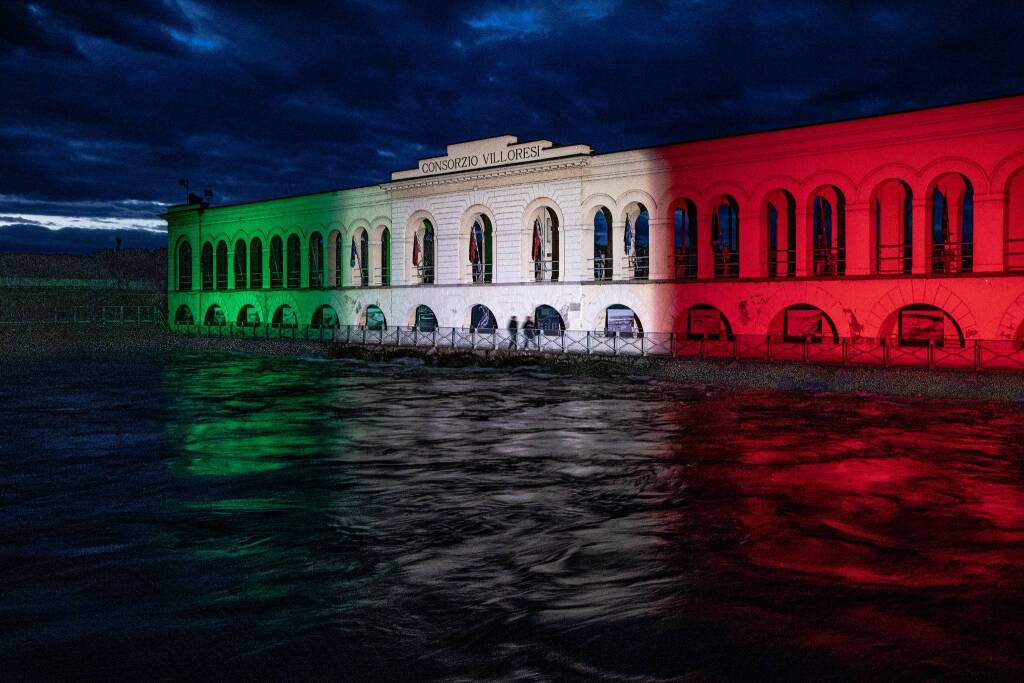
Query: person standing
(513, 331)
(528, 331)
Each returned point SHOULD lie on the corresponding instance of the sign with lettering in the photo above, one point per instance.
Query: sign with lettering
(488, 153)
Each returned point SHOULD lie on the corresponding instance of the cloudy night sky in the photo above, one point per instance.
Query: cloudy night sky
(107, 104)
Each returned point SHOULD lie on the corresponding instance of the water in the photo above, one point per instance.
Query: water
(211, 514)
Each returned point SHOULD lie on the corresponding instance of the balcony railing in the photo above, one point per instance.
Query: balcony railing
(952, 257)
(894, 258)
(636, 267)
(601, 267)
(545, 270)
(727, 264)
(828, 261)
(479, 273)
(781, 262)
(425, 275)
(684, 265)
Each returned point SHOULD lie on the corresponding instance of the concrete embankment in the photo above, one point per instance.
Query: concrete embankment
(68, 342)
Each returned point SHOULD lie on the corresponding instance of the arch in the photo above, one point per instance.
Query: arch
(636, 244)
(548, 320)
(424, 319)
(374, 319)
(622, 320)
(421, 245)
(921, 325)
(826, 229)
(779, 212)
(293, 262)
(183, 316)
(684, 238)
(950, 222)
(248, 316)
(221, 266)
(725, 235)
(482, 319)
(241, 263)
(1014, 211)
(603, 244)
(325, 317)
(543, 241)
(276, 262)
(359, 257)
(384, 260)
(891, 206)
(968, 168)
(635, 197)
(316, 260)
(255, 263)
(285, 316)
(206, 266)
(214, 316)
(703, 321)
(334, 257)
(801, 322)
(883, 173)
(184, 266)
(477, 245)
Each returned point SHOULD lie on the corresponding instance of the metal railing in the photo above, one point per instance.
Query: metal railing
(479, 273)
(781, 262)
(636, 267)
(102, 315)
(951, 258)
(828, 261)
(601, 267)
(894, 258)
(545, 270)
(727, 264)
(1015, 253)
(425, 274)
(684, 265)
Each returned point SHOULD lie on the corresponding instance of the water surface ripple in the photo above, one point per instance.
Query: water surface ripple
(204, 513)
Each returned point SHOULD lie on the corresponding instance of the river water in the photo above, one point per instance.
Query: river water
(277, 517)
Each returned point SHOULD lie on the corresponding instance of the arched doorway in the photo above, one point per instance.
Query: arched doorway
(544, 244)
(684, 218)
(548, 320)
(183, 316)
(828, 231)
(375, 319)
(276, 262)
(479, 243)
(482, 319)
(780, 218)
(707, 322)
(214, 316)
(603, 251)
(423, 253)
(637, 241)
(384, 267)
(359, 257)
(316, 260)
(893, 213)
(222, 265)
(293, 270)
(241, 262)
(184, 266)
(324, 317)
(248, 316)
(285, 316)
(621, 320)
(951, 207)
(725, 236)
(206, 267)
(256, 263)
(425, 320)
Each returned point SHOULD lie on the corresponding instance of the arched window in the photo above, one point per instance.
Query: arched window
(214, 316)
(206, 266)
(480, 250)
(359, 258)
(183, 316)
(482, 319)
(425, 321)
(256, 263)
(725, 236)
(803, 322)
(248, 316)
(324, 317)
(544, 244)
(276, 262)
(603, 245)
(828, 232)
(375, 319)
(241, 260)
(285, 316)
(1015, 222)
(549, 320)
(339, 259)
(621, 320)
(222, 265)
(921, 325)
(316, 261)
(952, 224)
(385, 258)
(893, 213)
(636, 241)
(780, 216)
(423, 253)
(185, 267)
(707, 322)
(293, 271)
(684, 219)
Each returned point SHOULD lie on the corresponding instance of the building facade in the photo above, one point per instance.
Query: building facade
(908, 227)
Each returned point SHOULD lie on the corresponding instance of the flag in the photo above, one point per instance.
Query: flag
(536, 240)
(352, 256)
(945, 219)
(416, 250)
(474, 248)
(716, 231)
(628, 235)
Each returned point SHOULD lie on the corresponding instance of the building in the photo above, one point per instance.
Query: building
(907, 227)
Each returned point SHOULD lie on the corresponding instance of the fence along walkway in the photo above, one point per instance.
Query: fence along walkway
(980, 355)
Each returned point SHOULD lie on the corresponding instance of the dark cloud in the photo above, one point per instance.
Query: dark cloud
(109, 103)
(25, 238)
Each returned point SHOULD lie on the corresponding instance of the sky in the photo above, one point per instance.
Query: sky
(107, 104)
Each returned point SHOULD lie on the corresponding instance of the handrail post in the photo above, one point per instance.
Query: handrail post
(588, 342)
(615, 343)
